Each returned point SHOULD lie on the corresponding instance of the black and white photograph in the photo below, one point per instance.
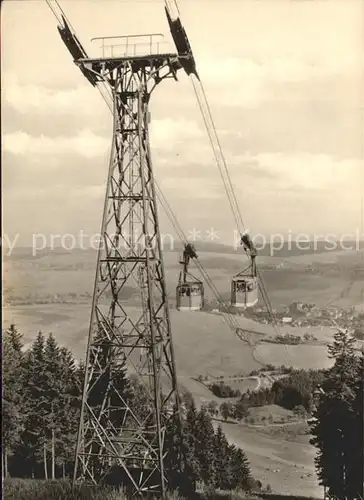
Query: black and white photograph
(182, 249)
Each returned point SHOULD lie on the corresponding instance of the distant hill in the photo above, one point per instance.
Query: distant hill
(289, 249)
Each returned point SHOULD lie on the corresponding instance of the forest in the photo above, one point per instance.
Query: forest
(42, 388)
(41, 404)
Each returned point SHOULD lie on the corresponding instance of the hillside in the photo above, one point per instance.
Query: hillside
(52, 292)
(203, 342)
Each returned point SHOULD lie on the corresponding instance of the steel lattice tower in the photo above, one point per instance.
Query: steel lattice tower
(130, 255)
(121, 440)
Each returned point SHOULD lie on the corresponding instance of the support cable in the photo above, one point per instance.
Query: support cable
(218, 152)
(101, 87)
(224, 173)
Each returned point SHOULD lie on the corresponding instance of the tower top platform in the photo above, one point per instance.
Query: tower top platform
(132, 46)
(140, 59)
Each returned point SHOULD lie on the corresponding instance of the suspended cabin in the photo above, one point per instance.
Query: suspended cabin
(244, 286)
(244, 290)
(190, 291)
(190, 296)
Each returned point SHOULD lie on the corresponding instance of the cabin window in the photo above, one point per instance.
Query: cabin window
(187, 292)
(240, 286)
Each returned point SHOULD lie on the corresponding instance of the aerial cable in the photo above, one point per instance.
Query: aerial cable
(224, 172)
(202, 99)
(227, 184)
(234, 205)
(64, 15)
(170, 3)
(227, 316)
(58, 16)
(176, 4)
(173, 219)
(59, 19)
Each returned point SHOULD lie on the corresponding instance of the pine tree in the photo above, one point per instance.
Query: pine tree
(190, 442)
(13, 411)
(70, 413)
(204, 447)
(63, 398)
(15, 339)
(327, 457)
(355, 436)
(336, 426)
(187, 399)
(54, 392)
(34, 435)
(240, 409)
(178, 465)
(240, 475)
(226, 409)
(222, 478)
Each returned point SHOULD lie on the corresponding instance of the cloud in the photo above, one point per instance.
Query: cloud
(251, 81)
(85, 144)
(231, 80)
(42, 100)
(165, 133)
(193, 189)
(316, 172)
(240, 70)
(275, 191)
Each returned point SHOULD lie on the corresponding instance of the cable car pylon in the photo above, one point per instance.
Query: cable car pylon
(190, 290)
(119, 440)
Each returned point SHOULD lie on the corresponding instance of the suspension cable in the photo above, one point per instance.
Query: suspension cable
(59, 19)
(228, 317)
(219, 157)
(226, 179)
(101, 86)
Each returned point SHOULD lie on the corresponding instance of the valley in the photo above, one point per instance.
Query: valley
(52, 293)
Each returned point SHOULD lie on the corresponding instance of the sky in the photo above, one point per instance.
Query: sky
(284, 79)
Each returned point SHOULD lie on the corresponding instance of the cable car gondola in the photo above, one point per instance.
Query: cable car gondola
(244, 285)
(190, 292)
